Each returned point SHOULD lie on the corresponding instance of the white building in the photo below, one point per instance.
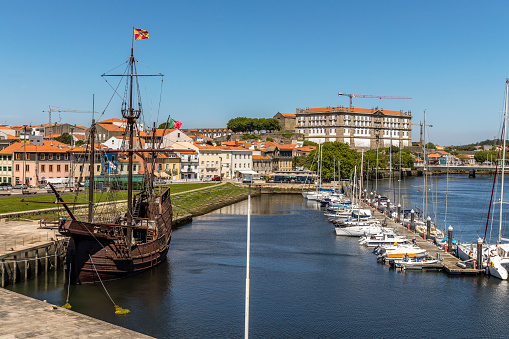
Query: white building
(361, 128)
(234, 159)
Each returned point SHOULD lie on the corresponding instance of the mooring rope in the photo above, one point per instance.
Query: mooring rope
(67, 305)
(118, 309)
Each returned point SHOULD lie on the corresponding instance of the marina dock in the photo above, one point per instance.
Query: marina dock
(448, 262)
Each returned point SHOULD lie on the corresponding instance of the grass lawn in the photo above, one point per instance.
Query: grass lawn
(15, 205)
(177, 188)
(192, 202)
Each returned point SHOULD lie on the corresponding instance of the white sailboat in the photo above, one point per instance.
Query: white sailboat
(498, 255)
(495, 257)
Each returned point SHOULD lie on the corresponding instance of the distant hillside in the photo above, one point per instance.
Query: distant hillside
(492, 142)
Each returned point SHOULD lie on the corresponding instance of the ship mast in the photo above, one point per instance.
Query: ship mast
(130, 115)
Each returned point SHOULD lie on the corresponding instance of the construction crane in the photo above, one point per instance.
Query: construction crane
(60, 109)
(368, 96)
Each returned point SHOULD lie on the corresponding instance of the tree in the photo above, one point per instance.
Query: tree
(384, 156)
(243, 124)
(430, 145)
(337, 151)
(483, 156)
(65, 138)
(79, 142)
(299, 161)
(309, 143)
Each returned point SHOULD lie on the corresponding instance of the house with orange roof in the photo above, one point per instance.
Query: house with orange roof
(33, 164)
(164, 138)
(111, 127)
(208, 133)
(304, 150)
(166, 166)
(209, 161)
(262, 165)
(281, 155)
(122, 142)
(6, 156)
(361, 128)
(234, 160)
(6, 140)
(189, 164)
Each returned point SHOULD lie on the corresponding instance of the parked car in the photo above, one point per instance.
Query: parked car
(207, 179)
(5, 186)
(20, 186)
(216, 178)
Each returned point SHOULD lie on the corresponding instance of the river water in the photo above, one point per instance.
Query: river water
(305, 281)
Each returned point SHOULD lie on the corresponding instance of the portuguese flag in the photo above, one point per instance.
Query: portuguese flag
(174, 124)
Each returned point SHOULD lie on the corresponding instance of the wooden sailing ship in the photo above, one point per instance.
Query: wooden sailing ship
(130, 243)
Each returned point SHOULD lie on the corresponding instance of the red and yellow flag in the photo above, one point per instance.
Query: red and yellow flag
(140, 34)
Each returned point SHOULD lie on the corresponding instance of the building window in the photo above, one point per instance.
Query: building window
(16, 156)
(58, 168)
(50, 156)
(67, 168)
(58, 156)
(50, 168)
(43, 168)
(27, 168)
(42, 156)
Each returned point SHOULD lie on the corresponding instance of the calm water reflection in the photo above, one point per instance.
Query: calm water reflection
(305, 283)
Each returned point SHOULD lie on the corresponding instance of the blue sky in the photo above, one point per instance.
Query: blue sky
(223, 59)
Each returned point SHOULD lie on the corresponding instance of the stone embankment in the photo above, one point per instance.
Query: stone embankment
(25, 317)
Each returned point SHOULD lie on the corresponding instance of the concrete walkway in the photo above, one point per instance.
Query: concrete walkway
(19, 235)
(24, 317)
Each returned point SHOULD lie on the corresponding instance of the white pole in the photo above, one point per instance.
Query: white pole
(503, 163)
(246, 329)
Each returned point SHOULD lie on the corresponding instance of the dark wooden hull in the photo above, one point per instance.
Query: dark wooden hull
(92, 253)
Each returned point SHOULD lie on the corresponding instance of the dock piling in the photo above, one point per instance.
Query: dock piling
(26, 266)
(449, 235)
(479, 252)
(3, 273)
(412, 220)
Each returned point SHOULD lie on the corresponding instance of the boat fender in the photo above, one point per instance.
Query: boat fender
(491, 264)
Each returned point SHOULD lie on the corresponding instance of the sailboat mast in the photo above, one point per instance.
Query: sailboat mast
(91, 177)
(425, 196)
(362, 175)
(503, 164)
(92, 165)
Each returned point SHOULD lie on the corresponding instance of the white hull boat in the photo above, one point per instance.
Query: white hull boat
(357, 230)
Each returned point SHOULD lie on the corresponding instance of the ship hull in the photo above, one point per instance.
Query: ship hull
(99, 252)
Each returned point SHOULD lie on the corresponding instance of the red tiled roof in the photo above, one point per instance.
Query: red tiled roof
(112, 128)
(53, 143)
(12, 148)
(348, 109)
(259, 157)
